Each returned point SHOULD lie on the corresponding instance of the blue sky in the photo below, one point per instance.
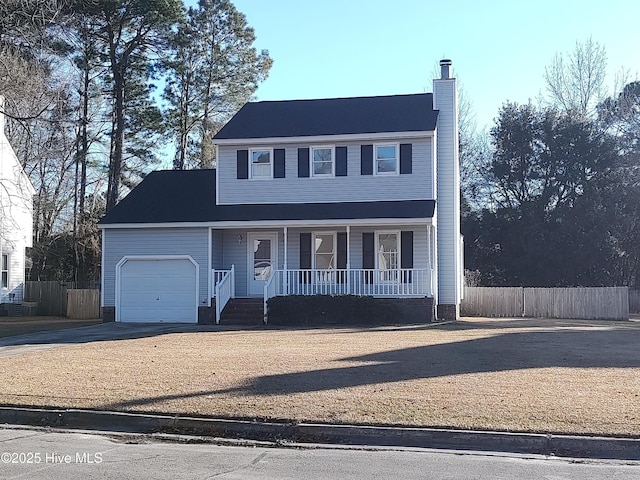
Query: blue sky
(499, 49)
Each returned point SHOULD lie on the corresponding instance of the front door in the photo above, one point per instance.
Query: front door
(262, 260)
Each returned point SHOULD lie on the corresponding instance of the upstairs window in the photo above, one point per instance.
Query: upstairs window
(5, 271)
(322, 162)
(386, 159)
(261, 163)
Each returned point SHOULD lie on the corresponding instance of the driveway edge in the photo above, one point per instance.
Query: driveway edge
(522, 443)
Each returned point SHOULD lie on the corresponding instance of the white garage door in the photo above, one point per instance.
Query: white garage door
(158, 291)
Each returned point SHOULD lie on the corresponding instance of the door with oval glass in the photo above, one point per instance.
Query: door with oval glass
(262, 260)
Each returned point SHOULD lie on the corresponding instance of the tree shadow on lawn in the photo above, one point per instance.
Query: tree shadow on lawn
(509, 351)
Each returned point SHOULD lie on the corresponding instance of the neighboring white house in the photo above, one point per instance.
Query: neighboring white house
(330, 196)
(16, 219)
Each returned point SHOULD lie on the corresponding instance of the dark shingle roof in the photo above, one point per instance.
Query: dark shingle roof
(332, 116)
(172, 196)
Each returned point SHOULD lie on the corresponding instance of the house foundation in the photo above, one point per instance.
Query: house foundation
(448, 312)
(108, 314)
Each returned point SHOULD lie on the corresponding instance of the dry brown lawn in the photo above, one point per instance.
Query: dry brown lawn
(516, 375)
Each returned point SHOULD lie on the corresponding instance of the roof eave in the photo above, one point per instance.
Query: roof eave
(275, 223)
(325, 138)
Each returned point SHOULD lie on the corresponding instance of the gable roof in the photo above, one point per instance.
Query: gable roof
(189, 196)
(332, 116)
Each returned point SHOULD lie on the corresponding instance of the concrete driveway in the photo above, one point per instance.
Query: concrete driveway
(45, 340)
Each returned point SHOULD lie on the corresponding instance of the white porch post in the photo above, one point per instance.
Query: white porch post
(286, 260)
(348, 259)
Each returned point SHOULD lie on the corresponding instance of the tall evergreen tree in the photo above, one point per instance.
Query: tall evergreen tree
(215, 69)
(132, 33)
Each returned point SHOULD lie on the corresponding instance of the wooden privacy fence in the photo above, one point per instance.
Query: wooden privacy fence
(83, 303)
(51, 296)
(62, 298)
(634, 301)
(610, 303)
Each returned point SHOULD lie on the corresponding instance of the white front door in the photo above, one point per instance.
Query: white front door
(262, 260)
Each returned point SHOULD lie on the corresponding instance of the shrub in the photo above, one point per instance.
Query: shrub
(307, 310)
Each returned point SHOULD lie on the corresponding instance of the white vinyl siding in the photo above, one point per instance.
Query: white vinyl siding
(16, 219)
(448, 187)
(119, 243)
(217, 246)
(351, 188)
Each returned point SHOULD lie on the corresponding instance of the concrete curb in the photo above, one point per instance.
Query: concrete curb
(520, 443)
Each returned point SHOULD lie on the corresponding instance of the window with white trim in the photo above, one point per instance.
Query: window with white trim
(388, 255)
(261, 163)
(386, 160)
(5, 271)
(322, 161)
(324, 250)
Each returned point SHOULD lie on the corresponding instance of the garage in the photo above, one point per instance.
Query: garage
(157, 290)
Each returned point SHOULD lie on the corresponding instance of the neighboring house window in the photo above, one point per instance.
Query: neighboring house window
(324, 256)
(261, 163)
(386, 159)
(5, 271)
(388, 255)
(322, 162)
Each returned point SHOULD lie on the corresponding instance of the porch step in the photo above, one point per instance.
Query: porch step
(243, 311)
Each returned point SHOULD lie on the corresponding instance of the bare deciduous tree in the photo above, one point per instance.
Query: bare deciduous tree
(575, 81)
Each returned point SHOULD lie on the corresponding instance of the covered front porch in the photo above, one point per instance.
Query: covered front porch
(381, 260)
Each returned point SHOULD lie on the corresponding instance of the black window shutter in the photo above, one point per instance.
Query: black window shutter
(406, 254)
(406, 161)
(366, 159)
(368, 250)
(341, 256)
(305, 251)
(368, 255)
(303, 162)
(406, 249)
(341, 262)
(341, 161)
(278, 163)
(305, 257)
(242, 157)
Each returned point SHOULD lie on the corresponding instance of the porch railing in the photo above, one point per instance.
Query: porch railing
(405, 282)
(216, 277)
(224, 288)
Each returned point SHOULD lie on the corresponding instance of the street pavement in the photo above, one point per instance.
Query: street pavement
(44, 454)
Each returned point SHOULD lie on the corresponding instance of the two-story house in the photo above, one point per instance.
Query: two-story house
(335, 196)
(16, 220)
